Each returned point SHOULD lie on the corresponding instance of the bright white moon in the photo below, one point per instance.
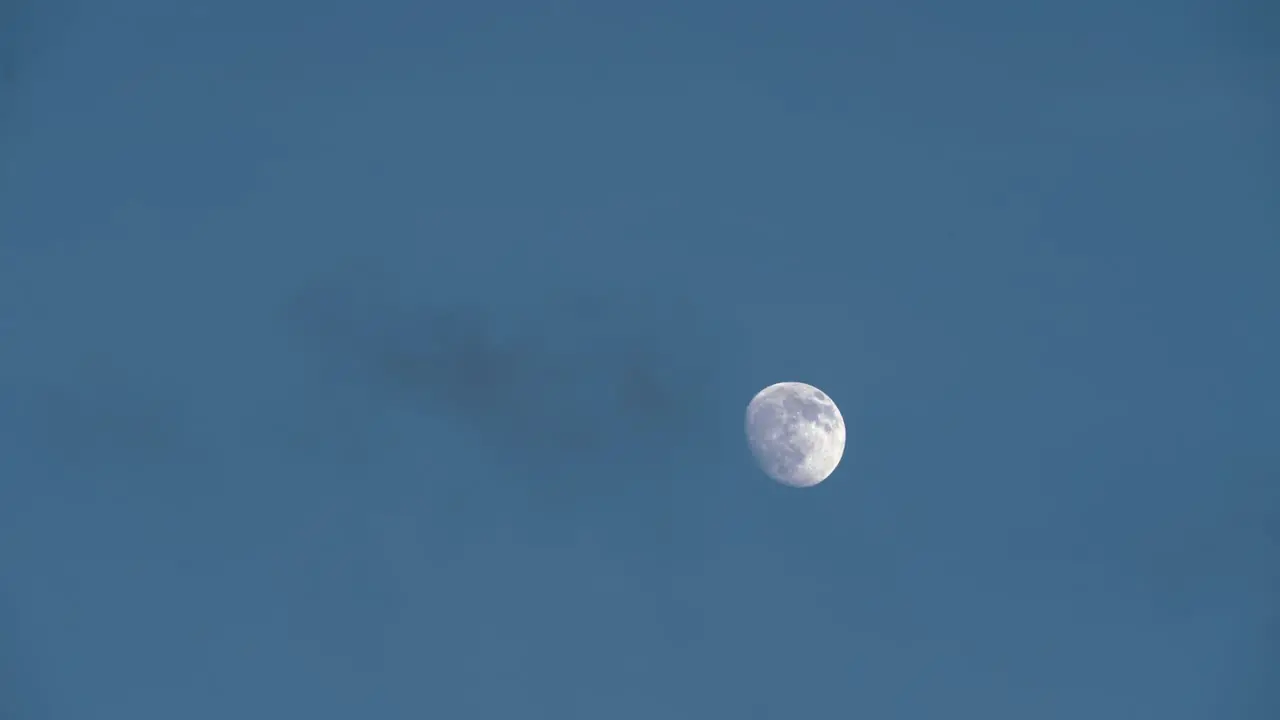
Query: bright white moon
(796, 433)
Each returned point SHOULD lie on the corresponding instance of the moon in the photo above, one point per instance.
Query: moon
(796, 433)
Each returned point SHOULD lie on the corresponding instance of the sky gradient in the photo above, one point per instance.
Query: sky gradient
(389, 359)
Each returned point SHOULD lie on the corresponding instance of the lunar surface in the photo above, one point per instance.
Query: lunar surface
(796, 433)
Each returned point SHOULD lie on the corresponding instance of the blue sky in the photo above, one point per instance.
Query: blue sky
(388, 359)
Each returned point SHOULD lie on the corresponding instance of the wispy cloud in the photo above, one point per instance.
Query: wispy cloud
(561, 376)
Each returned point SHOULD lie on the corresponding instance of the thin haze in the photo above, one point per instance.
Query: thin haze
(389, 359)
